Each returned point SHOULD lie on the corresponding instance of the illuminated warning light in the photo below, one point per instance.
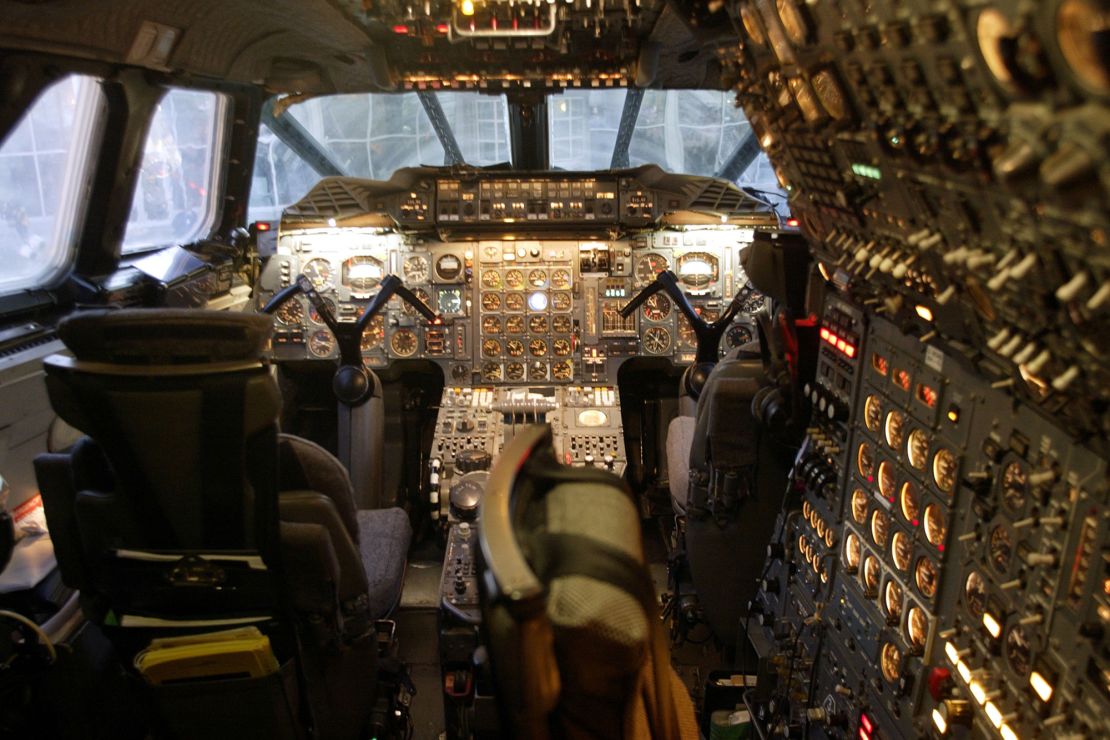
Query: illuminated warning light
(994, 714)
(926, 395)
(992, 625)
(938, 720)
(1040, 685)
(863, 734)
(953, 413)
(262, 226)
(978, 691)
(1007, 733)
(400, 29)
(850, 351)
(924, 312)
(792, 222)
(825, 334)
(952, 652)
(841, 345)
(964, 671)
(466, 7)
(865, 723)
(441, 28)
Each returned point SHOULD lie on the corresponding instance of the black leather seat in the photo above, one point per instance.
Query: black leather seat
(183, 459)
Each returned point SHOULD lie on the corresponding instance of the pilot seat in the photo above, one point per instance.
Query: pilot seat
(184, 510)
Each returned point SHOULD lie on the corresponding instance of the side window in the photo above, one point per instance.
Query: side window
(175, 198)
(44, 166)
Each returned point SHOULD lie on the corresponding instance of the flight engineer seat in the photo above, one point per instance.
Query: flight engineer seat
(184, 507)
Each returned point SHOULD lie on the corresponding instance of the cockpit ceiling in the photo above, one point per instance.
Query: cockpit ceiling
(321, 46)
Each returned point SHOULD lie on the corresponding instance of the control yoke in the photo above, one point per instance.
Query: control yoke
(708, 334)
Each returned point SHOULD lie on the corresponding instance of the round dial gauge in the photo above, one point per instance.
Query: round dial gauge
(291, 313)
(860, 502)
(514, 301)
(865, 460)
(851, 552)
(873, 413)
(686, 332)
(450, 301)
(738, 335)
(880, 527)
(537, 301)
(491, 301)
(562, 370)
(830, 537)
(1019, 652)
(319, 273)
(491, 279)
(1001, 547)
(887, 484)
(657, 308)
(537, 324)
(374, 334)
(935, 526)
(537, 278)
(560, 301)
(894, 430)
(752, 25)
(890, 660)
(944, 469)
(514, 324)
(403, 342)
(362, 273)
(975, 594)
(491, 348)
(994, 34)
(560, 279)
(537, 347)
(793, 21)
(321, 343)
(650, 265)
(917, 627)
(925, 577)
(1015, 486)
(537, 371)
(1081, 30)
(422, 296)
(657, 340)
(871, 574)
(561, 347)
(909, 503)
(830, 94)
(561, 325)
(901, 551)
(448, 267)
(514, 279)
(315, 316)
(892, 600)
(697, 270)
(415, 269)
(917, 449)
(514, 348)
(514, 370)
(491, 372)
(491, 324)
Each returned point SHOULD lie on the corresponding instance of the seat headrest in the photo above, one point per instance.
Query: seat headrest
(778, 267)
(163, 336)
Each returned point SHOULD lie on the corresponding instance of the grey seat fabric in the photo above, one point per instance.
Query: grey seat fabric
(680, 437)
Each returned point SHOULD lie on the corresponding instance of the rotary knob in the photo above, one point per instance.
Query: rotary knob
(468, 461)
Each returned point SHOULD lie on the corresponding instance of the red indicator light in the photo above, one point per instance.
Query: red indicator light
(863, 734)
(850, 351)
(262, 226)
(824, 333)
(792, 222)
(841, 345)
(441, 28)
(400, 29)
(915, 522)
(865, 723)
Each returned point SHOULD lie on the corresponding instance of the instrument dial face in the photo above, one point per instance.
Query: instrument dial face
(291, 313)
(871, 574)
(491, 324)
(537, 324)
(514, 279)
(315, 316)
(1015, 486)
(561, 325)
(917, 449)
(873, 413)
(403, 342)
(909, 502)
(1019, 651)
(514, 371)
(657, 307)
(1081, 30)
(752, 24)
(514, 301)
(537, 278)
(319, 273)
(491, 348)
(860, 504)
(925, 577)
(491, 372)
(560, 279)
(560, 301)
(415, 268)
(450, 301)
(537, 347)
(935, 525)
(992, 32)
(561, 347)
(887, 482)
(491, 279)
(698, 270)
(514, 348)
(562, 370)
(362, 273)
(686, 332)
(894, 431)
(890, 660)
(537, 371)
(830, 94)
(657, 340)
(865, 460)
(422, 296)
(374, 334)
(917, 627)
(892, 599)
(650, 265)
(514, 324)
(975, 594)
(880, 528)
(1001, 548)
(738, 335)
(448, 267)
(945, 466)
(901, 551)
(851, 552)
(830, 537)
(321, 343)
(491, 301)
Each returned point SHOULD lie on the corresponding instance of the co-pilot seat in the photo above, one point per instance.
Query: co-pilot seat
(570, 615)
(183, 456)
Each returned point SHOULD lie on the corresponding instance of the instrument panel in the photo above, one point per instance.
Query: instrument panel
(516, 310)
